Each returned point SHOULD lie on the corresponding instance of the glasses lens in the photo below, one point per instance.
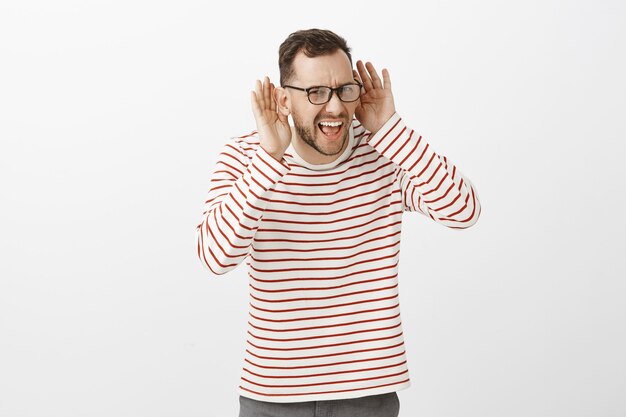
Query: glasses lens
(319, 95)
(349, 92)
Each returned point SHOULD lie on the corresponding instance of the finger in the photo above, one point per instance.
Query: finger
(266, 91)
(259, 94)
(272, 97)
(256, 110)
(375, 78)
(365, 78)
(357, 77)
(386, 79)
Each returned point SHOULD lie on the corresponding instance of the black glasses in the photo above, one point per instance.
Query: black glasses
(321, 94)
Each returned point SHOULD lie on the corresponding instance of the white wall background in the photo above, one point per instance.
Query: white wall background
(111, 118)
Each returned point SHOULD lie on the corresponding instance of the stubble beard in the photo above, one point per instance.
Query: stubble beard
(309, 138)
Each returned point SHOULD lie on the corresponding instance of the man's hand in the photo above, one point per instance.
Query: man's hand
(273, 126)
(376, 105)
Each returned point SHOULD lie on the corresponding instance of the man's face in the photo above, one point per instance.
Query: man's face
(327, 70)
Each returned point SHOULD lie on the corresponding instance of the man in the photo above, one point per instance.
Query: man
(316, 208)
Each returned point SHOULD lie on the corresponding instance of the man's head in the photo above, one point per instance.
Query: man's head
(310, 58)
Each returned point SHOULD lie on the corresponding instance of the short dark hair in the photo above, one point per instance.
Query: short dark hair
(313, 42)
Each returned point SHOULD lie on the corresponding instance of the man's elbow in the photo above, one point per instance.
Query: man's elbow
(216, 261)
(464, 219)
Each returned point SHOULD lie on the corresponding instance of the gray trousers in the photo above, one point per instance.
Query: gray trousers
(381, 405)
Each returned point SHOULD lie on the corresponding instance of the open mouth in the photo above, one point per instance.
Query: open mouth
(331, 130)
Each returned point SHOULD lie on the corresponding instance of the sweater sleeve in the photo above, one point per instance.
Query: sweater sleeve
(235, 205)
(429, 182)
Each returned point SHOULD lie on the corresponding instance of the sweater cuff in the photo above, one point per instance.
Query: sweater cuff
(265, 171)
(399, 143)
(383, 138)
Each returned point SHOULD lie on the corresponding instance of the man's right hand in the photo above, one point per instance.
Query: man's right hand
(272, 125)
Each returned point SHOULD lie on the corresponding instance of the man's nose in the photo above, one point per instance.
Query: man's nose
(335, 105)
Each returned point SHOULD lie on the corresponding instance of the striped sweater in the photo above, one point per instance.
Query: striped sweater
(322, 244)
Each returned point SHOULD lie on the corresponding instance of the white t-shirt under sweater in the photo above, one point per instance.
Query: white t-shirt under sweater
(322, 244)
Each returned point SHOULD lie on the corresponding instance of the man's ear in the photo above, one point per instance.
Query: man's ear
(283, 102)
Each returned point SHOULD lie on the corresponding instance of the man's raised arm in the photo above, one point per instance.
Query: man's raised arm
(429, 182)
(239, 182)
(235, 205)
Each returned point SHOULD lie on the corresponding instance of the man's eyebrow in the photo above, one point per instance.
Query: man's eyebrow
(352, 81)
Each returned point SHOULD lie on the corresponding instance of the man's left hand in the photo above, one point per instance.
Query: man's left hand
(376, 104)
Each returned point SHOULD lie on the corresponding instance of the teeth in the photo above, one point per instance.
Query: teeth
(331, 123)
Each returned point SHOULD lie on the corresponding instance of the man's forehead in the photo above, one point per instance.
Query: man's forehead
(323, 70)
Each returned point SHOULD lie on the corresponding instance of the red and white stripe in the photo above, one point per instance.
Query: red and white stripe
(322, 249)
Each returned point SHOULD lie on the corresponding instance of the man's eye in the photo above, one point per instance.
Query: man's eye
(318, 95)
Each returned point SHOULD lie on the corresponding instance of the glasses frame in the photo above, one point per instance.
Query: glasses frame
(332, 91)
